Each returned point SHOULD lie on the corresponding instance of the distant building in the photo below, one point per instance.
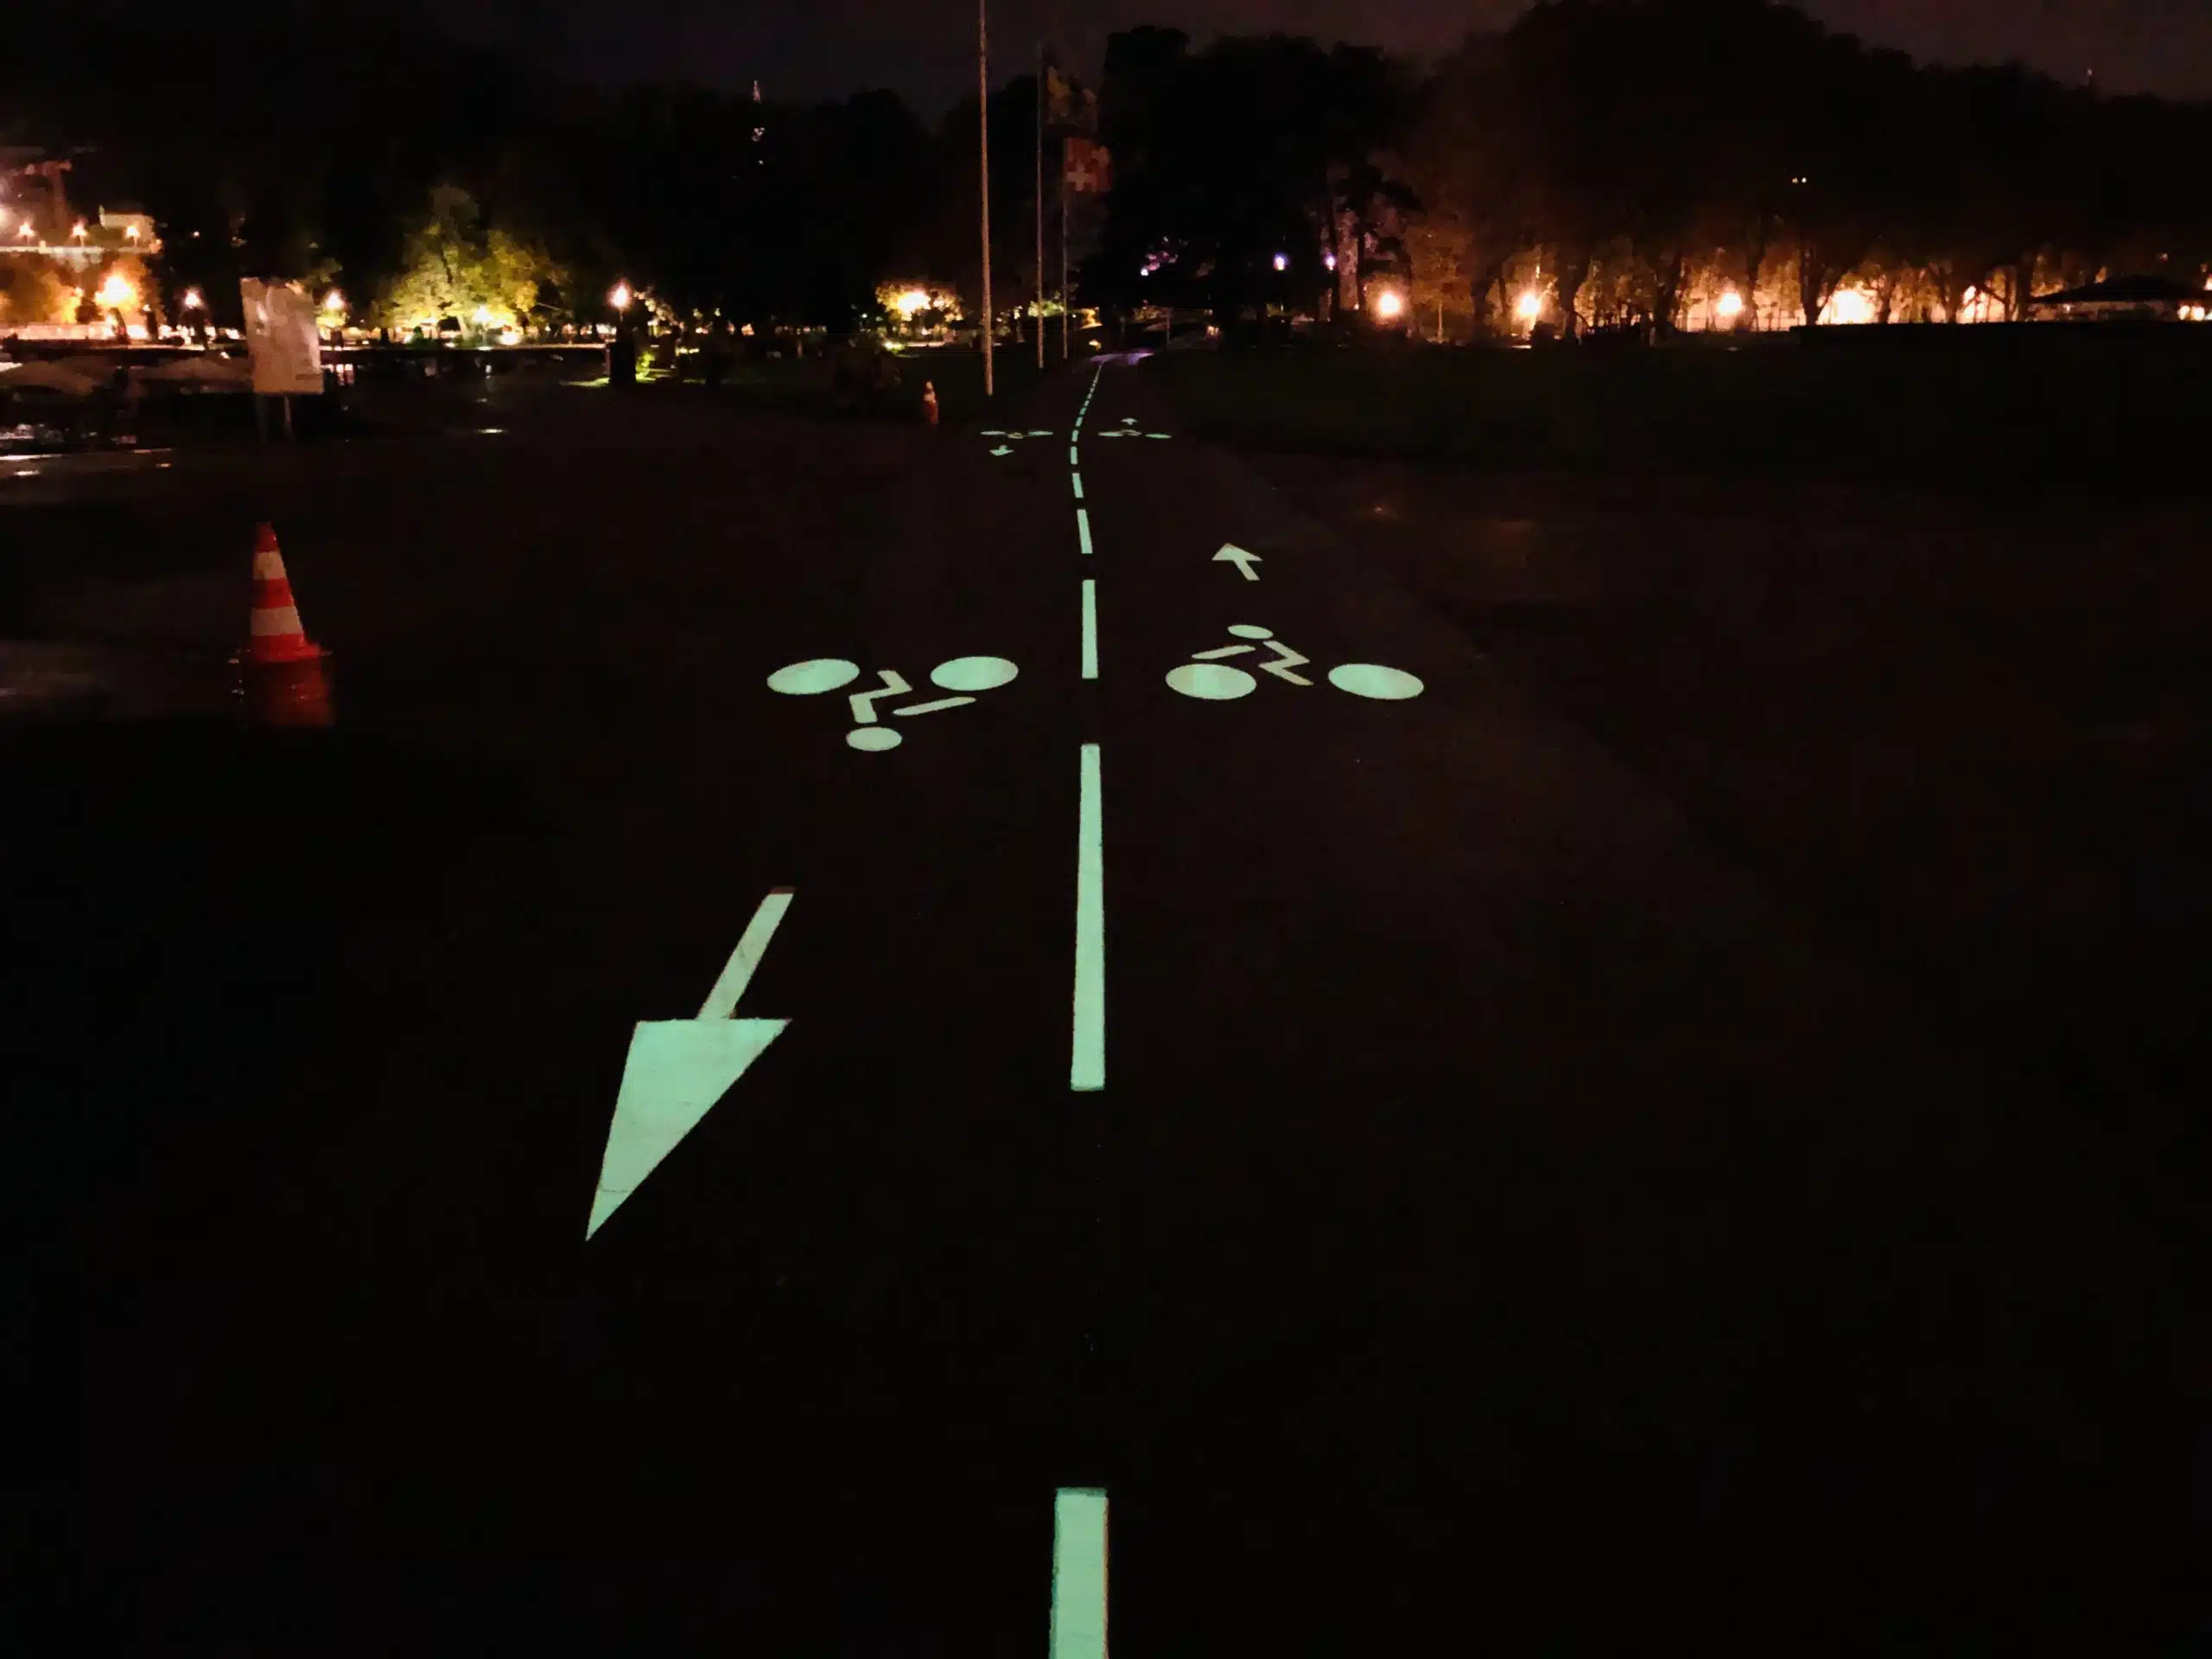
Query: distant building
(132, 230)
(2124, 299)
(33, 195)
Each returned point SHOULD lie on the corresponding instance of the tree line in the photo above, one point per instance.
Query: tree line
(1602, 160)
(1636, 160)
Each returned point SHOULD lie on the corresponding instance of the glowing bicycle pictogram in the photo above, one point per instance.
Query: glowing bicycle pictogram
(822, 674)
(1209, 678)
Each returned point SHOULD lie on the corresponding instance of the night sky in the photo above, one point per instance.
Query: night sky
(923, 49)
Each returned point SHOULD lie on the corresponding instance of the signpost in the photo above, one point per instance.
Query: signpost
(283, 344)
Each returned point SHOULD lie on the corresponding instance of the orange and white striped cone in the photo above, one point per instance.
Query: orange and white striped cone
(282, 671)
(928, 403)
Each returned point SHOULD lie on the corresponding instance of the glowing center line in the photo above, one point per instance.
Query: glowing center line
(1083, 529)
(1087, 1064)
(752, 945)
(1071, 454)
(1078, 1573)
(1090, 629)
(1078, 477)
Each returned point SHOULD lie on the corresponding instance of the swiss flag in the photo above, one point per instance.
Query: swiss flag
(1088, 167)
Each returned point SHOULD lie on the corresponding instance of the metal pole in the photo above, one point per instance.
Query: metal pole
(983, 121)
(1039, 290)
(1063, 249)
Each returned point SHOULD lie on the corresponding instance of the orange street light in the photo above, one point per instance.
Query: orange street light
(619, 296)
(1529, 306)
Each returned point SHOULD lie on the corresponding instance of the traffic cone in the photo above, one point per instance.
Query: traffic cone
(273, 630)
(928, 402)
(281, 672)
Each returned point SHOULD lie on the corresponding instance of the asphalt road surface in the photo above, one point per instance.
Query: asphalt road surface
(1345, 1114)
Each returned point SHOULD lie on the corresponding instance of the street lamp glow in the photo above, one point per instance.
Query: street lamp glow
(1389, 303)
(28, 228)
(911, 303)
(1330, 260)
(130, 233)
(333, 304)
(1282, 262)
(77, 230)
(1529, 306)
(1730, 304)
(619, 296)
(115, 293)
(1850, 306)
(192, 302)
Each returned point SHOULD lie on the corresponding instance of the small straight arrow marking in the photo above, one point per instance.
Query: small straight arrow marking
(1000, 449)
(676, 1070)
(1236, 555)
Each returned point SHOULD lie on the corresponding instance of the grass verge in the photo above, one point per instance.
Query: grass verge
(2090, 409)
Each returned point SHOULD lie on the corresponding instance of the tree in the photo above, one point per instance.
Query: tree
(455, 268)
(1257, 147)
(32, 290)
(1463, 160)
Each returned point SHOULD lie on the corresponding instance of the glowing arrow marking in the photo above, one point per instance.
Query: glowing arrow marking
(1040, 435)
(864, 701)
(992, 432)
(745, 960)
(1129, 420)
(677, 1070)
(1237, 557)
(1000, 449)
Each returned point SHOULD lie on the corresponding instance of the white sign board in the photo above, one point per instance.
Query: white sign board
(282, 340)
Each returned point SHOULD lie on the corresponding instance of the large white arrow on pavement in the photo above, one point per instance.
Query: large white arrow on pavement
(1237, 557)
(677, 1069)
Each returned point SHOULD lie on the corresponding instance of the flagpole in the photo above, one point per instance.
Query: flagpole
(983, 122)
(1064, 248)
(1038, 320)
